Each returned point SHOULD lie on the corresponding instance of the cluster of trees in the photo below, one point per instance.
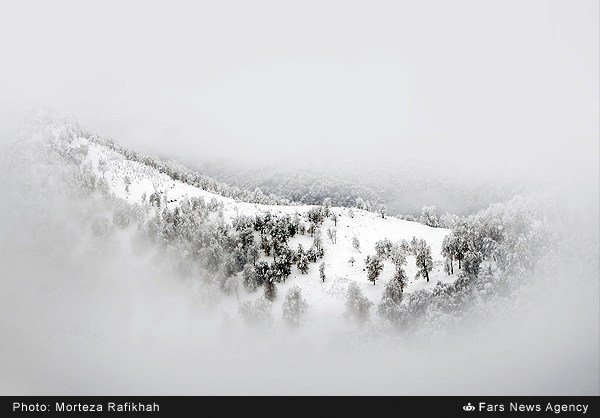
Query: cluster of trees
(310, 187)
(503, 233)
(472, 241)
(397, 252)
(390, 304)
(344, 186)
(203, 181)
(492, 251)
(275, 233)
(232, 250)
(488, 249)
(258, 312)
(288, 187)
(193, 178)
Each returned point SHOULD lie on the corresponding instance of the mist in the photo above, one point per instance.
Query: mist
(502, 93)
(88, 312)
(484, 88)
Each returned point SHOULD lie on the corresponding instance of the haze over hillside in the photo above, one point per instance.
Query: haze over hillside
(144, 256)
(435, 89)
(277, 198)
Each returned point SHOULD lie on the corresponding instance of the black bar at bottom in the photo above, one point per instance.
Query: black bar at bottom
(310, 406)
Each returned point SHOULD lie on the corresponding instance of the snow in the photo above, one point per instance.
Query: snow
(326, 300)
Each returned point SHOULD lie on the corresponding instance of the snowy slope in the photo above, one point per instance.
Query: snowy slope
(326, 300)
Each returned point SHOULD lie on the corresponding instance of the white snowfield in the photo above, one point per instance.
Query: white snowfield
(323, 298)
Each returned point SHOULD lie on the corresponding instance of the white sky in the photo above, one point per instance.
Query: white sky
(467, 81)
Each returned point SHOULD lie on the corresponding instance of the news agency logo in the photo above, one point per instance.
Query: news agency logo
(468, 407)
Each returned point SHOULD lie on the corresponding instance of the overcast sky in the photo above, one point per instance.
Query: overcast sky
(463, 80)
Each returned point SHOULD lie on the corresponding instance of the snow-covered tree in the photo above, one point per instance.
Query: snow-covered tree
(374, 267)
(282, 265)
(382, 210)
(294, 306)
(400, 278)
(389, 306)
(254, 252)
(123, 216)
(262, 272)
(302, 263)
(409, 217)
(357, 304)
(360, 203)
(398, 254)
(448, 220)
(356, 243)
(256, 312)
(332, 234)
(302, 228)
(270, 290)
(449, 252)
(312, 254)
(154, 199)
(249, 278)
(334, 218)
(326, 206)
(315, 215)
(423, 258)
(102, 166)
(472, 263)
(429, 216)
(322, 272)
(317, 238)
(352, 261)
(383, 248)
(127, 182)
(227, 282)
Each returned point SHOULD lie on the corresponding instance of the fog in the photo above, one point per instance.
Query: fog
(484, 86)
(505, 90)
(89, 313)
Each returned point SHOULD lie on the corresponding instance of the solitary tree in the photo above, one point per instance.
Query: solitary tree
(351, 261)
(357, 305)
(382, 210)
(356, 243)
(449, 251)
(429, 216)
(302, 263)
(423, 258)
(360, 203)
(127, 182)
(374, 267)
(249, 278)
(294, 306)
(102, 166)
(334, 218)
(389, 307)
(326, 206)
(254, 252)
(322, 271)
(270, 290)
(332, 234)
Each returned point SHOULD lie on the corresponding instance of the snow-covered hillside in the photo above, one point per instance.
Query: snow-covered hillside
(133, 182)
